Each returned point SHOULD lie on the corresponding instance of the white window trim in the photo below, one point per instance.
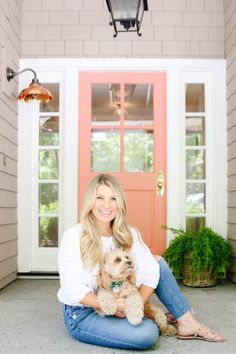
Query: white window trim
(177, 71)
(206, 79)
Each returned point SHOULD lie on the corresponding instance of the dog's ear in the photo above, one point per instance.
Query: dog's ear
(132, 278)
(99, 276)
(104, 280)
(99, 280)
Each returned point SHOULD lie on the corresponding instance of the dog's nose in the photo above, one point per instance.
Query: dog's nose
(129, 262)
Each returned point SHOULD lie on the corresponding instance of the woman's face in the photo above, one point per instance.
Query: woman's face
(105, 207)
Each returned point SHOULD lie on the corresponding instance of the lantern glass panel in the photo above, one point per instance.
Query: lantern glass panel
(123, 9)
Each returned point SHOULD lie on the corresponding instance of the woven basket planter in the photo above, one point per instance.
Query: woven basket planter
(204, 279)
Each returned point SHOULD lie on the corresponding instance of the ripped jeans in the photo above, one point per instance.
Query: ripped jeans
(85, 325)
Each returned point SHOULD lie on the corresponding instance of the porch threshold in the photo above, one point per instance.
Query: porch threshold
(38, 275)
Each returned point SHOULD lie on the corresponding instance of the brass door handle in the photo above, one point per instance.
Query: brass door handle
(160, 185)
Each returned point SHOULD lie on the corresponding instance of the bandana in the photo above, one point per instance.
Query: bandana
(115, 286)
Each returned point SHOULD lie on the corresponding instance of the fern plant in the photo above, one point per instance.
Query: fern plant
(207, 249)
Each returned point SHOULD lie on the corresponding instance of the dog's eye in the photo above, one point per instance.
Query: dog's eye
(117, 259)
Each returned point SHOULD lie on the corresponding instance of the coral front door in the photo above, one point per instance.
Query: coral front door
(122, 131)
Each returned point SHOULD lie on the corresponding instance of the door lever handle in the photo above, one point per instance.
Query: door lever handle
(160, 184)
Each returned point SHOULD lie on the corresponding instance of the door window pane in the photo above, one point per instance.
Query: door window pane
(48, 168)
(195, 131)
(48, 198)
(48, 231)
(195, 164)
(195, 157)
(195, 97)
(106, 105)
(105, 151)
(48, 164)
(139, 104)
(138, 151)
(52, 106)
(195, 198)
(48, 131)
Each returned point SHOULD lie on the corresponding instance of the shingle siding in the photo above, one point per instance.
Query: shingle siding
(179, 28)
(230, 53)
(10, 39)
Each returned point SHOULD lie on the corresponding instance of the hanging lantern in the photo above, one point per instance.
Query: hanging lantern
(126, 15)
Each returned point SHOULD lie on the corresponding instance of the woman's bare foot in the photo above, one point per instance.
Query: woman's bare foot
(190, 328)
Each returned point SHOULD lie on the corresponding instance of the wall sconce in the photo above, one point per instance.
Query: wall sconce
(35, 92)
(127, 14)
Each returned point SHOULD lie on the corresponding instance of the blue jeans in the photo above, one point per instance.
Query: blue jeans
(169, 293)
(85, 325)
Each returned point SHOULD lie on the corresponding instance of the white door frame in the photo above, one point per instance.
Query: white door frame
(179, 71)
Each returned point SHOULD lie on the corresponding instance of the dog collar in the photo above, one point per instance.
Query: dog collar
(115, 286)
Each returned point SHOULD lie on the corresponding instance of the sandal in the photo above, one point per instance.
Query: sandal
(204, 337)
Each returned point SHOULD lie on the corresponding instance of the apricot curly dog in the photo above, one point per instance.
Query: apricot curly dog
(116, 279)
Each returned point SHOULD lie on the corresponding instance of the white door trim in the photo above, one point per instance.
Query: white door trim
(177, 71)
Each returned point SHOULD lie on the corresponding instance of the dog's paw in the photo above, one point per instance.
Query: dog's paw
(107, 303)
(108, 309)
(134, 318)
(168, 330)
(134, 309)
(102, 314)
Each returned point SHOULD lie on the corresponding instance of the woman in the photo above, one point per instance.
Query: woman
(104, 227)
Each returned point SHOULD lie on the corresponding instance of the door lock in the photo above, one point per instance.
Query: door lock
(160, 185)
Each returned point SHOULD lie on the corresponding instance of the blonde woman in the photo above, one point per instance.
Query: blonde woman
(104, 227)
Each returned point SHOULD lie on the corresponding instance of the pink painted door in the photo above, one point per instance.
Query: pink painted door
(122, 131)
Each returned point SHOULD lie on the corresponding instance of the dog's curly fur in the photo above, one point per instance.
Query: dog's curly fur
(116, 279)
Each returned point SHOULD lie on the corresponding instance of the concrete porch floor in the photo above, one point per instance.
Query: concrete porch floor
(31, 321)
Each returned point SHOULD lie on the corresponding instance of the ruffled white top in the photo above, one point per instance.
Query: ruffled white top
(76, 282)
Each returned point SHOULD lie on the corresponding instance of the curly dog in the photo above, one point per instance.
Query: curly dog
(116, 279)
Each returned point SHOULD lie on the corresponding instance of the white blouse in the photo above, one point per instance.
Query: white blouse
(76, 282)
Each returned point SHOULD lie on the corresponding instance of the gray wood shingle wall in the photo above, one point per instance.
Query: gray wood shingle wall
(230, 53)
(10, 32)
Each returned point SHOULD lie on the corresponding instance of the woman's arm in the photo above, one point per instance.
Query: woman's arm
(147, 267)
(90, 300)
(75, 282)
(146, 292)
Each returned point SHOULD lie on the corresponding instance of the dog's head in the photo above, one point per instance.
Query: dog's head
(117, 265)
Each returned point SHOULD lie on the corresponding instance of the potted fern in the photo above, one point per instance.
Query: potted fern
(200, 258)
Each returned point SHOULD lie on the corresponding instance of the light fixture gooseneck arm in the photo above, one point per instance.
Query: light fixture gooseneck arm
(11, 74)
(35, 92)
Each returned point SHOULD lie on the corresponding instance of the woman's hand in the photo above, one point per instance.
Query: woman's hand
(120, 308)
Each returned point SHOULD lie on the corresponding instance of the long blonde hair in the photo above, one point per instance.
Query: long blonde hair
(90, 244)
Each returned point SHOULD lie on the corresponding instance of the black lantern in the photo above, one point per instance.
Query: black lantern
(127, 15)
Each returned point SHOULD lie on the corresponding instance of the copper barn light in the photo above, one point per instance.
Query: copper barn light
(35, 92)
